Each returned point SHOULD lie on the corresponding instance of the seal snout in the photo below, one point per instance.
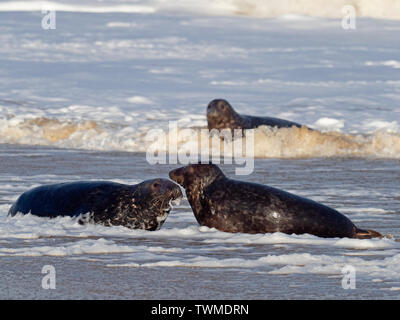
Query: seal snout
(176, 194)
(221, 115)
(170, 189)
(166, 188)
(217, 107)
(212, 108)
(166, 195)
(177, 176)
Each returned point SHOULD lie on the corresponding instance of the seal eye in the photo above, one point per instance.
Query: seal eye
(156, 185)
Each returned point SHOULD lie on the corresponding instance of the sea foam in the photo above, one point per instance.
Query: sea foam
(288, 9)
(131, 135)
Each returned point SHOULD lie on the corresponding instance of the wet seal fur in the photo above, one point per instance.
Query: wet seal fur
(221, 115)
(142, 206)
(237, 206)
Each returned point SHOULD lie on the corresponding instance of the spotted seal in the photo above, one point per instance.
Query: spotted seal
(142, 206)
(237, 206)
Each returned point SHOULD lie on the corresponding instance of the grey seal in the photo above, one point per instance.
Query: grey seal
(238, 206)
(221, 115)
(142, 206)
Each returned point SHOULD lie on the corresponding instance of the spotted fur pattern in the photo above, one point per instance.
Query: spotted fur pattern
(142, 206)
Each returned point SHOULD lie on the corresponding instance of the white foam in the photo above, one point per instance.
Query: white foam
(60, 6)
(139, 100)
(322, 264)
(387, 126)
(99, 246)
(112, 128)
(388, 63)
(120, 24)
(209, 248)
(284, 9)
(304, 239)
(33, 227)
(329, 124)
(303, 263)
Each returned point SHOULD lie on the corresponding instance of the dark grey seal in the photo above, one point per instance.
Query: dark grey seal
(237, 206)
(142, 206)
(221, 115)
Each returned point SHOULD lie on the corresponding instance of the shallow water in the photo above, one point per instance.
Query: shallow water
(186, 261)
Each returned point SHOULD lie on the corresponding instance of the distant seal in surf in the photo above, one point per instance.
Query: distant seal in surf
(237, 206)
(221, 115)
(142, 206)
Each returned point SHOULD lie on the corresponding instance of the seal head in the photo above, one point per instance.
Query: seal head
(196, 175)
(221, 115)
(151, 201)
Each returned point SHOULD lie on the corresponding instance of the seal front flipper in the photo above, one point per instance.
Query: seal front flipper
(12, 212)
(366, 234)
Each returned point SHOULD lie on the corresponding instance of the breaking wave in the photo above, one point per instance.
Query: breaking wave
(382, 9)
(268, 142)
